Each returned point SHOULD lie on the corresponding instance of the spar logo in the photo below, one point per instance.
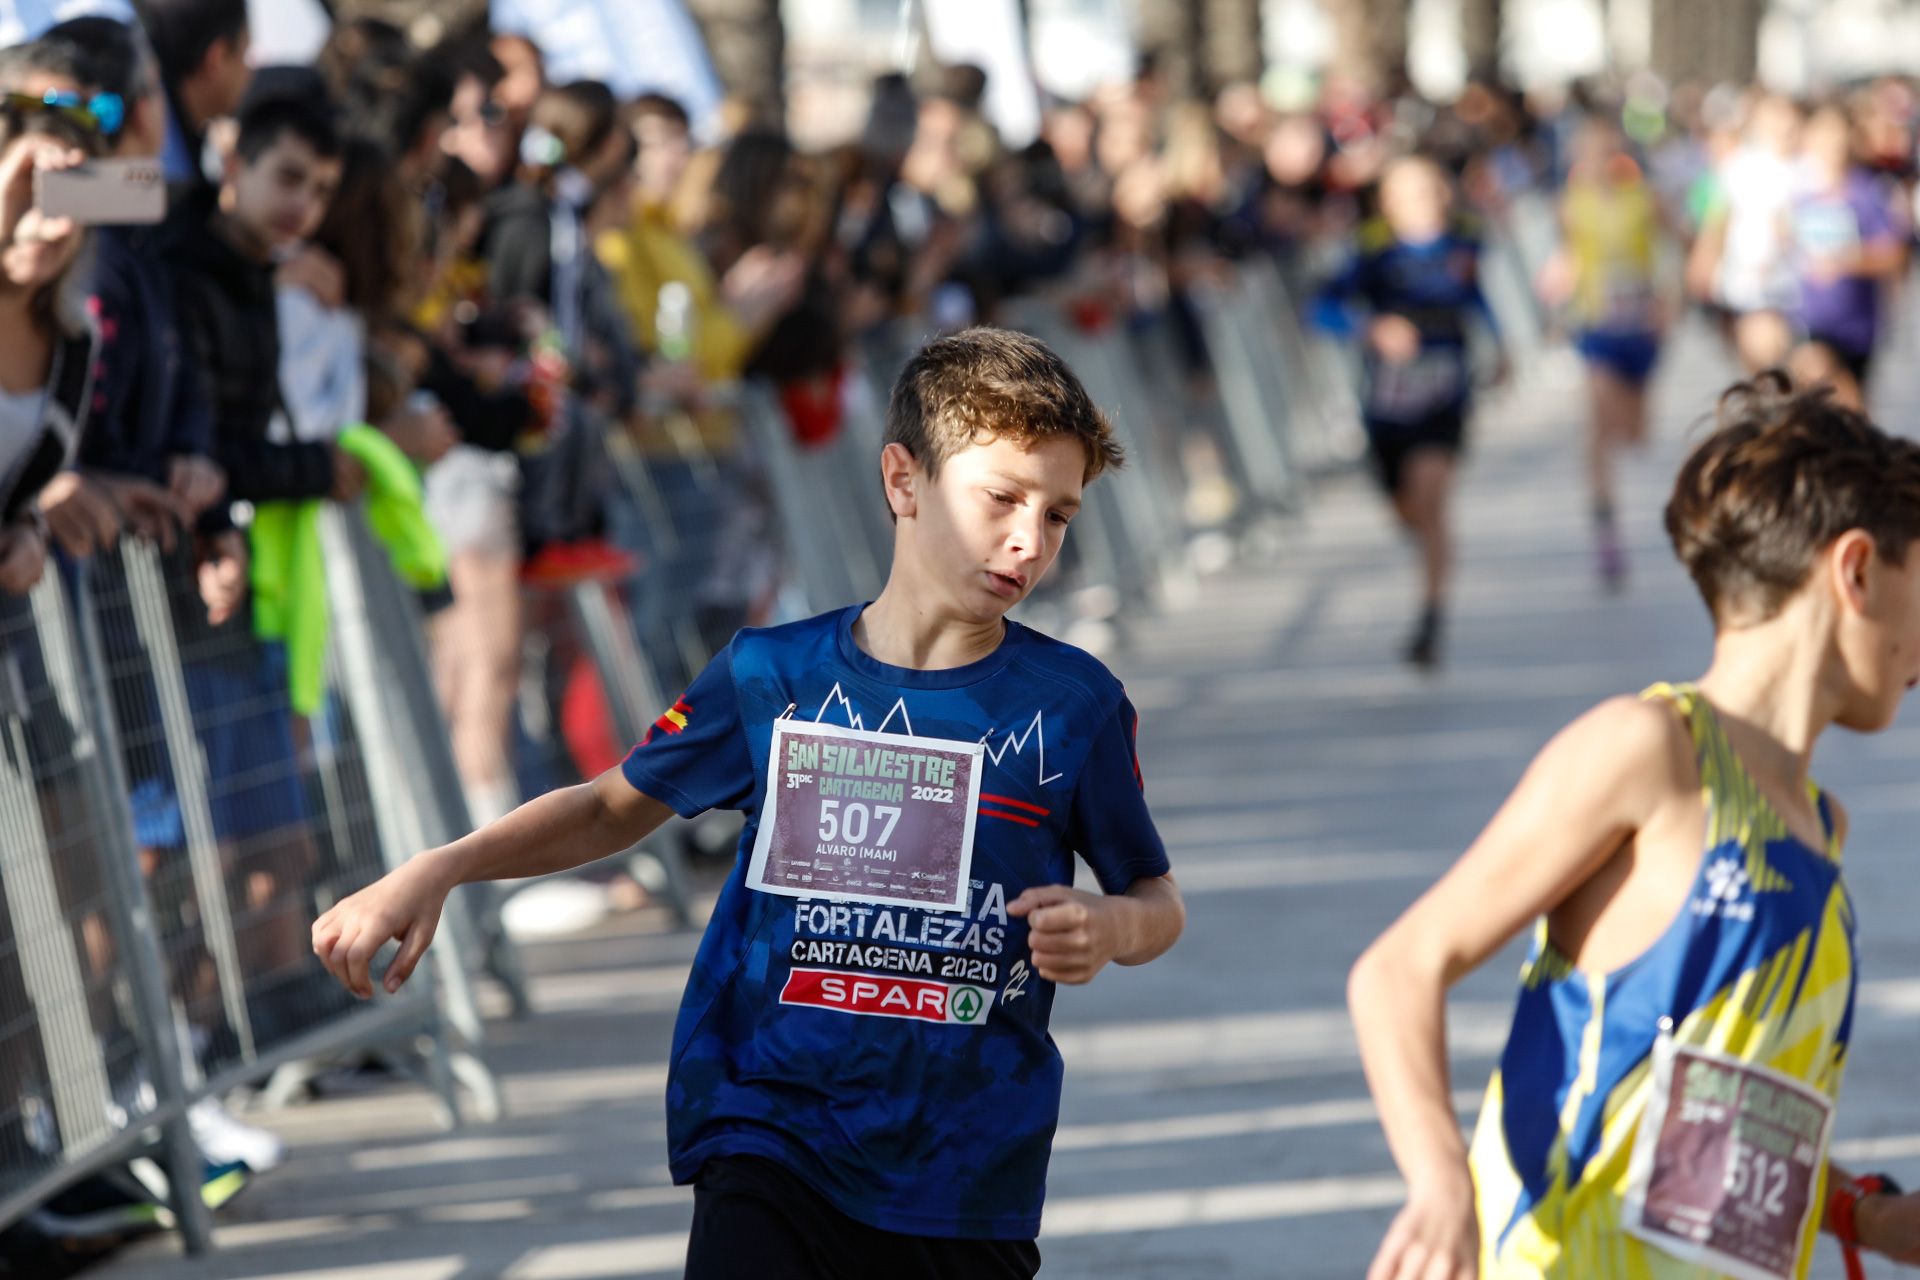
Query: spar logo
(880, 995)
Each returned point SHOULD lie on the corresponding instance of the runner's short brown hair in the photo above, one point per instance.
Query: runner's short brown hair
(1782, 475)
(983, 384)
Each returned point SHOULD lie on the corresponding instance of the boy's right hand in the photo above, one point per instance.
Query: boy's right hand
(404, 906)
(1395, 338)
(157, 514)
(1434, 1237)
(80, 514)
(197, 482)
(23, 558)
(349, 476)
(319, 273)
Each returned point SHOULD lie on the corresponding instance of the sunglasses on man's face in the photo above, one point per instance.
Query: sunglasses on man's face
(492, 114)
(103, 113)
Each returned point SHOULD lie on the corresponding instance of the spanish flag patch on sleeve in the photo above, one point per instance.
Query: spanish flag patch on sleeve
(671, 721)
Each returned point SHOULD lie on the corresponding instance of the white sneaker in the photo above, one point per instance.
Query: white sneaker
(223, 1138)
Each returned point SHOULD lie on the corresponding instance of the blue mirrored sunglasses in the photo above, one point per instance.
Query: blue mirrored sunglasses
(104, 112)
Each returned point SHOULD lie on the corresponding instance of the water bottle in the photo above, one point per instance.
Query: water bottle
(673, 322)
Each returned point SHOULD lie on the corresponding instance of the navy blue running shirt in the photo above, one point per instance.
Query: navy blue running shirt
(1435, 286)
(896, 1059)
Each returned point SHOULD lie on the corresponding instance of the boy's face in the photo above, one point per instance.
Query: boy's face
(281, 196)
(989, 526)
(665, 151)
(478, 133)
(1599, 145)
(1827, 140)
(1414, 199)
(1880, 643)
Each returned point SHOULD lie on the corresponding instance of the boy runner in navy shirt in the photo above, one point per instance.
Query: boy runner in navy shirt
(862, 1081)
(1413, 281)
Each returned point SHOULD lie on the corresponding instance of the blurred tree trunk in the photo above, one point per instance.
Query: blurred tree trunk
(1230, 47)
(1675, 41)
(1481, 34)
(1370, 41)
(1707, 42)
(1170, 32)
(748, 45)
(1736, 41)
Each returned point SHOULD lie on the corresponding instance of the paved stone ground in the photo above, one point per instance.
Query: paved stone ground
(1215, 1121)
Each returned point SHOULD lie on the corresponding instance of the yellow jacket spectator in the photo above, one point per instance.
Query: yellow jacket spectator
(721, 320)
(650, 252)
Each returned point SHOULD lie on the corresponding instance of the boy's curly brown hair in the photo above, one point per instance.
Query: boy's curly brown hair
(1783, 474)
(984, 383)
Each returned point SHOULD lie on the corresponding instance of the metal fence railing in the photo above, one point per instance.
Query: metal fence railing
(168, 832)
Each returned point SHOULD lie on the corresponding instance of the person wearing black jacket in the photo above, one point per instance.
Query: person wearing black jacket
(47, 345)
(537, 245)
(278, 183)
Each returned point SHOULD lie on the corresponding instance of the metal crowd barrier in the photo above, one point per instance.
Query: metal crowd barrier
(817, 491)
(1513, 249)
(1136, 538)
(165, 845)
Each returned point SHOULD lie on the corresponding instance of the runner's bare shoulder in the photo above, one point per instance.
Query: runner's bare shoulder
(1626, 756)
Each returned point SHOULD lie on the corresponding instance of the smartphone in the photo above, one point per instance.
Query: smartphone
(104, 192)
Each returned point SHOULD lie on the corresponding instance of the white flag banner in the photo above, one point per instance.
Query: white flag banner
(24, 20)
(988, 34)
(286, 32)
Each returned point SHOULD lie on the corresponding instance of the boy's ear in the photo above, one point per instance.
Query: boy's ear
(1851, 557)
(900, 477)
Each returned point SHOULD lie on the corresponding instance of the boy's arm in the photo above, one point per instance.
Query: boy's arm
(556, 832)
(1589, 790)
(694, 759)
(1482, 310)
(1336, 301)
(1703, 259)
(1074, 934)
(1883, 243)
(1883, 1222)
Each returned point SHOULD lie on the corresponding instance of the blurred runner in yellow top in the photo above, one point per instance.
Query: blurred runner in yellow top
(1606, 277)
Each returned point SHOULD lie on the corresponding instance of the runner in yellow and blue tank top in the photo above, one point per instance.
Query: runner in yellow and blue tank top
(1754, 973)
(1607, 278)
(1663, 1105)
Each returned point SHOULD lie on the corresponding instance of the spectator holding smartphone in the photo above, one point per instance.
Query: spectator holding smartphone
(46, 345)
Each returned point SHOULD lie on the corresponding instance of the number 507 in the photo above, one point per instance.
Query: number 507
(852, 824)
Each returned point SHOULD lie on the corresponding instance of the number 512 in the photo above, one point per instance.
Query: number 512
(1758, 1177)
